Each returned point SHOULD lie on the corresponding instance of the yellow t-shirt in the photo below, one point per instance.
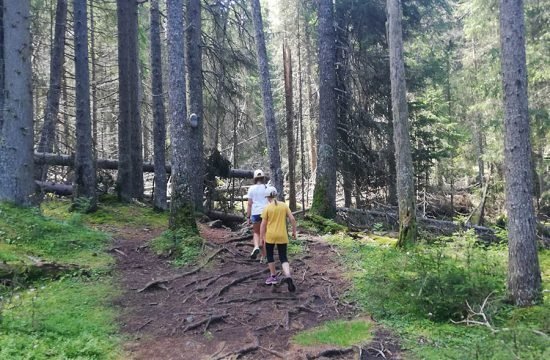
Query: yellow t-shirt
(276, 215)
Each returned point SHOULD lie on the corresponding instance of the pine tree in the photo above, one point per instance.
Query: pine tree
(85, 176)
(16, 126)
(401, 136)
(524, 279)
(324, 195)
(159, 116)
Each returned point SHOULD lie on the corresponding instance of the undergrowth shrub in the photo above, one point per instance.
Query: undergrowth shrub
(183, 246)
(432, 281)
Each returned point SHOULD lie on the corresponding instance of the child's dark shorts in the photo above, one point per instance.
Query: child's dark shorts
(256, 219)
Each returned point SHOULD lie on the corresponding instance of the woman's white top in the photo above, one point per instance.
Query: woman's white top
(257, 194)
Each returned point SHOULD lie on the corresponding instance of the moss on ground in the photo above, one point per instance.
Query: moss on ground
(109, 212)
(68, 318)
(320, 224)
(338, 333)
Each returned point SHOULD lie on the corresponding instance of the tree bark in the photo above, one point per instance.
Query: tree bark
(324, 195)
(269, 113)
(182, 199)
(194, 75)
(159, 117)
(85, 175)
(524, 279)
(47, 136)
(2, 75)
(404, 165)
(301, 111)
(289, 105)
(94, 78)
(312, 130)
(16, 133)
(129, 177)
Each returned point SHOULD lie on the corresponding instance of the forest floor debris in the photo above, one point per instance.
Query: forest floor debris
(222, 309)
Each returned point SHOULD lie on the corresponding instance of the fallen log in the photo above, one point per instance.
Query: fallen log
(225, 217)
(366, 219)
(112, 164)
(38, 269)
(54, 188)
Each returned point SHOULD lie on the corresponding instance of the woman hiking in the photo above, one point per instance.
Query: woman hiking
(257, 201)
(273, 233)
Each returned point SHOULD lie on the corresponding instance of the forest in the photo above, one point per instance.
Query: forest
(409, 140)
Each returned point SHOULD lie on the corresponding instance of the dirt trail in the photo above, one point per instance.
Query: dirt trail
(224, 310)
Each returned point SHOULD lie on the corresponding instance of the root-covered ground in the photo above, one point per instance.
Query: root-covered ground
(220, 307)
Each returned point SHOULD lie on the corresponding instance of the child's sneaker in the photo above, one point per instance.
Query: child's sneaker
(263, 260)
(272, 280)
(254, 253)
(290, 283)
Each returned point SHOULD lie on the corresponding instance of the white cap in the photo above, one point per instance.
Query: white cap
(258, 174)
(270, 191)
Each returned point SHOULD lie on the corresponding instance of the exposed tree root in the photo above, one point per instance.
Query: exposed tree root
(235, 282)
(209, 320)
(179, 276)
(242, 351)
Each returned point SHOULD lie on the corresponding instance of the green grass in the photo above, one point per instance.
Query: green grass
(338, 333)
(417, 292)
(64, 319)
(182, 246)
(68, 318)
(25, 232)
(110, 212)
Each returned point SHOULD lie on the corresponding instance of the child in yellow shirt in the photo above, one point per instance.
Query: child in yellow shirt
(273, 233)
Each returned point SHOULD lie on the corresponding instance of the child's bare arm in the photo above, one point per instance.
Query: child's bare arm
(292, 222)
(263, 228)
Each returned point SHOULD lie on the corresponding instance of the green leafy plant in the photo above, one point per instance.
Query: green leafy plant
(183, 246)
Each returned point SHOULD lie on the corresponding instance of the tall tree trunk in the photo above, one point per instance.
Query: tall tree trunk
(135, 117)
(182, 200)
(94, 78)
(66, 127)
(276, 172)
(85, 176)
(130, 179)
(524, 279)
(2, 62)
(301, 110)
(405, 171)
(324, 194)
(478, 128)
(16, 133)
(312, 130)
(124, 173)
(289, 104)
(159, 117)
(194, 74)
(51, 110)
(391, 179)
